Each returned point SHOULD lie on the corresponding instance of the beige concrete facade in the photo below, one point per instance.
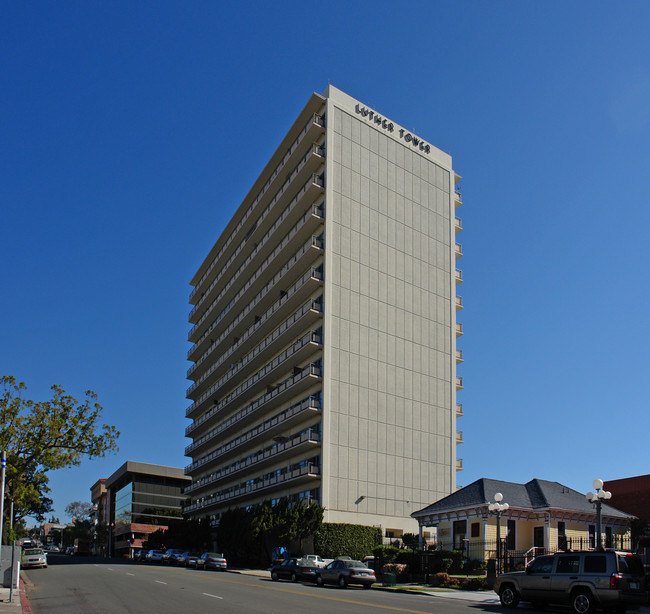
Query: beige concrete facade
(324, 328)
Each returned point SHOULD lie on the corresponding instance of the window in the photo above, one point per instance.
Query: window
(475, 529)
(561, 536)
(568, 564)
(542, 564)
(608, 537)
(595, 563)
(511, 535)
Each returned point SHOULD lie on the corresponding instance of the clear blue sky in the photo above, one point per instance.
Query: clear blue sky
(131, 131)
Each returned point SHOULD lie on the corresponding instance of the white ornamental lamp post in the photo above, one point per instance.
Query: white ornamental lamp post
(597, 499)
(497, 508)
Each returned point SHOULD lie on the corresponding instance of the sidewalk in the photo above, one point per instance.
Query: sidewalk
(14, 606)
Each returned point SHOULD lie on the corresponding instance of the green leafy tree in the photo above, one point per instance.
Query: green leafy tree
(41, 436)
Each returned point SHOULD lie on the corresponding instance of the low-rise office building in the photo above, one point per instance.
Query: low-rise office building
(142, 498)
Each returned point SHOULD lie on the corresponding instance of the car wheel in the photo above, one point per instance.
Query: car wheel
(343, 583)
(274, 576)
(582, 602)
(509, 596)
(319, 580)
(294, 577)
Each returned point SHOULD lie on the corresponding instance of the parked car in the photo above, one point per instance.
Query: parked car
(344, 572)
(171, 556)
(69, 550)
(155, 556)
(583, 580)
(313, 559)
(213, 560)
(33, 557)
(294, 569)
(191, 559)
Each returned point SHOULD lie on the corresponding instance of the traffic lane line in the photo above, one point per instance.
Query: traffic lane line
(302, 594)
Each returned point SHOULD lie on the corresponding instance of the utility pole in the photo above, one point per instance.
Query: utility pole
(2, 492)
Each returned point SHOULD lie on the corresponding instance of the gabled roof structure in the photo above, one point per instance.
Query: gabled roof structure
(535, 499)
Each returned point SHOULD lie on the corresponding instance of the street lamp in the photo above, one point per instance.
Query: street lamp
(497, 508)
(597, 499)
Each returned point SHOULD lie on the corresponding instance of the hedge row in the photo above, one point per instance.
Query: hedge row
(353, 540)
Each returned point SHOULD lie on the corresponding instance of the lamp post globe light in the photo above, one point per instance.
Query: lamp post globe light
(497, 508)
(597, 499)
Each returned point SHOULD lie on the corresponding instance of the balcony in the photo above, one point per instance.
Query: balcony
(458, 199)
(299, 443)
(259, 295)
(281, 481)
(458, 224)
(459, 410)
(459, 329)
(458, 250)
(310, 132)
(306, 316)
(459, 303)
(296, 353)
(290, 417)
(459, 276)
(459, 383)
(257, 283)
(459, 356)
(291, 386)
(459, 464)
(299, 291)
(459, 437)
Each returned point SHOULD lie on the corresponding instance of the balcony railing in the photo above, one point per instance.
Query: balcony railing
(459, 276)
(259, 272)
(314, 273)
(278, 332)
(316, 119)
(310, 470)
(458, 224)
(459, 464)
(458, 198)
(312, 337)
(459, 329)
(260, 246)
(311, 370)
(307, 436)
(459, 303)
(459, 356)
(458, 250)
(313, 242)
(459, 437)
(459, 410)
(311, 402)
(459, 383)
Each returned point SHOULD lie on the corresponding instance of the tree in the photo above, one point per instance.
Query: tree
(41, 436)
(78, 510)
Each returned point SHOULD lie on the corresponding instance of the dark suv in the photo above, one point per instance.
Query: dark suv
(584, 580)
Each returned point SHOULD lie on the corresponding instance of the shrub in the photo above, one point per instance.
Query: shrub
(473, 584)
(439, 579)
(400, 571)
(353, 540)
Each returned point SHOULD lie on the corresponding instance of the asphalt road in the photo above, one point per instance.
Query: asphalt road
(90, 586)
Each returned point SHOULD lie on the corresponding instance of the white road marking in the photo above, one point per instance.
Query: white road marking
(215, 596)
(159, 582)
(130, 574)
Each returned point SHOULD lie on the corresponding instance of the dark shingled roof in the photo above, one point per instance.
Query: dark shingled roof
(534, 495)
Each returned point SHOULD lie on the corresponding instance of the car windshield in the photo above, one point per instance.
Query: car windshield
(33, 551)
(213, 555)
